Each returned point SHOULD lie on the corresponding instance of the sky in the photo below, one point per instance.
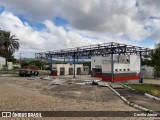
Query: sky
(48, 25)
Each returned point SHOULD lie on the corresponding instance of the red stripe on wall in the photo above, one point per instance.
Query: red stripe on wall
(125, 78)
(98, 75)
(107, 78)
(120, 78)
(54, 73)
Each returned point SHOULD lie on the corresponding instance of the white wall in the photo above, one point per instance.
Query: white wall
(106, 68)
(10, 65)
(2, 63)
(122, 67)
(96, 61)
(2, 59)
(135, 63)
(67, 66)
(147, 72)
(105, 63)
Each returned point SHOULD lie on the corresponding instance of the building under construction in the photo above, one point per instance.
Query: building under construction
(111, 61)
(126, 67)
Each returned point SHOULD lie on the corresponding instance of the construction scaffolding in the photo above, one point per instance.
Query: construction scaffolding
(86, 52)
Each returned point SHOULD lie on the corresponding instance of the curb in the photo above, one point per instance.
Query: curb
(151, 96)
(133, 104)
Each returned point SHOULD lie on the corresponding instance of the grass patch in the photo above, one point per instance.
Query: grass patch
(152, 89)
(41, 72)
(8, 72)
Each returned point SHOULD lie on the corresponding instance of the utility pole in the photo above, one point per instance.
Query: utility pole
(20, 59)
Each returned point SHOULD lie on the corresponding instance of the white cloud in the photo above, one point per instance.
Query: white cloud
(109, 17)
(150, 7)
(108, 20)
(50, 38)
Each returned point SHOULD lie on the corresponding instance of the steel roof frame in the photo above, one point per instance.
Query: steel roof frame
(104, 49)
(94, 50)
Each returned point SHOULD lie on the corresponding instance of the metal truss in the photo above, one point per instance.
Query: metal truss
(94, 50)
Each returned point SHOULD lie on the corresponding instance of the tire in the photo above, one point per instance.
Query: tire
(21, 75)
(37, 74)
(29, 75)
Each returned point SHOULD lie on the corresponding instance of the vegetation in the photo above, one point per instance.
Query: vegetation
(147, 62)
(152, 89)
(9, 72)
(40, 64)
(8, 45)
(12, 59)
(86, 64)
(156, 60)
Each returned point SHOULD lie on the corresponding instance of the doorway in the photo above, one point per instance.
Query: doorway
(70, 71)
(62, 71)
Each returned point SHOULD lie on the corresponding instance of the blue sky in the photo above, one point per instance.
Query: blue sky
(61, 24)
(60, 21)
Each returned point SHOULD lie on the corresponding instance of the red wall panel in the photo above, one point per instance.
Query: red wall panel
(125, 78)
(120, 78)
(98, 75)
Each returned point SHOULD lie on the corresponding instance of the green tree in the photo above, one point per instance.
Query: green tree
(8, 45)
(24, 63)
(12, 59)
(156, 60)
(40, 64)
(147, 62)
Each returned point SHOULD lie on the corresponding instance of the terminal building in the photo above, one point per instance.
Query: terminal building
(125, 68)
(113, 62)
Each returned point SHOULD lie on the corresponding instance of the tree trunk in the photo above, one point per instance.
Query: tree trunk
(6, 65)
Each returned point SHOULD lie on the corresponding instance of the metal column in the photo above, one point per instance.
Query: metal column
(112, 63)
(74, 72)
(77, 59)
(51, 64)
(112, 67)
(140, 73)
(20, 59)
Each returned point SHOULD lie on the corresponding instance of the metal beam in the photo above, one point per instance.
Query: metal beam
(86, 52)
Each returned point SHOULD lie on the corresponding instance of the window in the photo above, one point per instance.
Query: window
(128, 69)
(120, 69)
(116, 70)
(124, 69)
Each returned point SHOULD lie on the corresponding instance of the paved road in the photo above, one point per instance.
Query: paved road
(153, 81)
(140, 99)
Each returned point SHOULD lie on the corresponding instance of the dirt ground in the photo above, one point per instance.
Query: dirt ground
(21, 94)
